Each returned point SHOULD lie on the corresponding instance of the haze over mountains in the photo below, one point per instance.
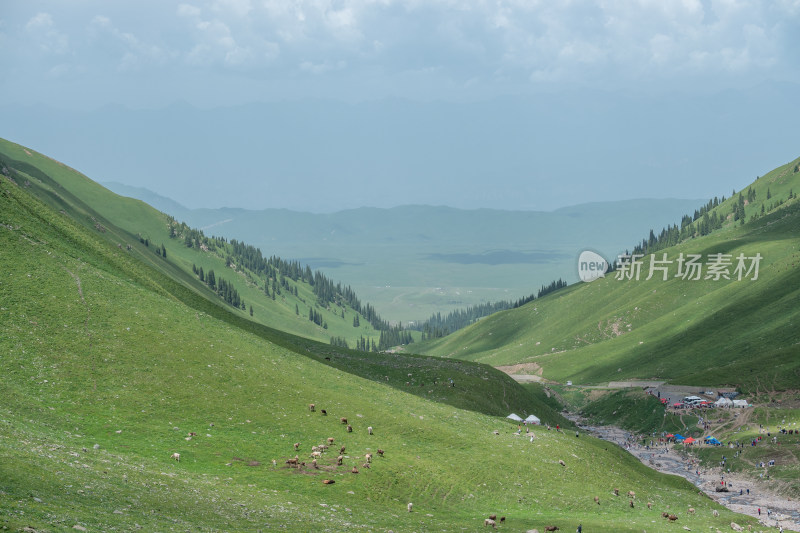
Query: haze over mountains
(535, 152)
(411, 261)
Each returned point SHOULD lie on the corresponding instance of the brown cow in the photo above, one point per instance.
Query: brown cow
(343, 420)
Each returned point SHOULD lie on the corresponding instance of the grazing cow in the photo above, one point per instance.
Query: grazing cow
(502, 519)
(328, 482)
(311, 407)
(330, 440)
(315, 448)
(339, 460)
(315, 455)
(672, 517)
(354, 470)
(369, 457)
(343, 420)
(324, 412)
(291, 461)
(631, 494)
(365, 465)
(616, 492)
(597, 500)
(369, 430)
(296, 446)
(551, 528)
(176, 456)
(490, 522)
(349, 428)
(631, 504)
(492, 517)
(715, 512)
(192, 434)
(691, 510)
(314, 463)
(341, 450)
(410, 506)
(380, 452)
(649, 505)
(562, 463)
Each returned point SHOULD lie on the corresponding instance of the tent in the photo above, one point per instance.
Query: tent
(688, 441)
(678, 436)
(533, 419)
(712, 441)
(740, 403)
(515, 417)
(670, 436)
(723, 402)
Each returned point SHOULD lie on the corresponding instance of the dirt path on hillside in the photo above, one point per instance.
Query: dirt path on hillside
(782, 512)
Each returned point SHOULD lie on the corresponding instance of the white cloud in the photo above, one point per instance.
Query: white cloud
(49, 39)
(321, 68)
(135, 54)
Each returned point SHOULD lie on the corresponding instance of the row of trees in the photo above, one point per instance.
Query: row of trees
(277, 273)
(702, 223)
(439, 326)
(223, 288)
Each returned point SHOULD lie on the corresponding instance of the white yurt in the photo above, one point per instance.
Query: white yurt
(515, 417)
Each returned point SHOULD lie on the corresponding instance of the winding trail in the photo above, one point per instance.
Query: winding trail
(783, 512)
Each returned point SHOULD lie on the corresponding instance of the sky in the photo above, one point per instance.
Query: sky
(320, 105)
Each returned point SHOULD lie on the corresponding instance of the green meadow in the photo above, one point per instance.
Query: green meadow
(112, 360)
(692, 332)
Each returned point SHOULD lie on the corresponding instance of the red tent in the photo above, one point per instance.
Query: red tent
(670, 436)
(689, 440)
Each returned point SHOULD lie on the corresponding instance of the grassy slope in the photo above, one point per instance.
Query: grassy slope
(690, 332)
(98, 348)
(125, 218)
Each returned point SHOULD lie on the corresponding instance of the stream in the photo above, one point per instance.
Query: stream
(782, 511)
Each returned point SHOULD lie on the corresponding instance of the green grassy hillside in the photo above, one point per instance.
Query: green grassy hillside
(706, 332)
(129, 222)
(109, 367)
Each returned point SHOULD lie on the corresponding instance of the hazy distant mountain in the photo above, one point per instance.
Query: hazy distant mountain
(162, 203)
(412, 260)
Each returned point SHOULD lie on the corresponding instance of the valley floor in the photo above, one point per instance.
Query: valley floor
(668, 459)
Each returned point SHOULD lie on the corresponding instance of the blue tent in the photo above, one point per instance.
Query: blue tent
(678, 436)
(712, 440)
